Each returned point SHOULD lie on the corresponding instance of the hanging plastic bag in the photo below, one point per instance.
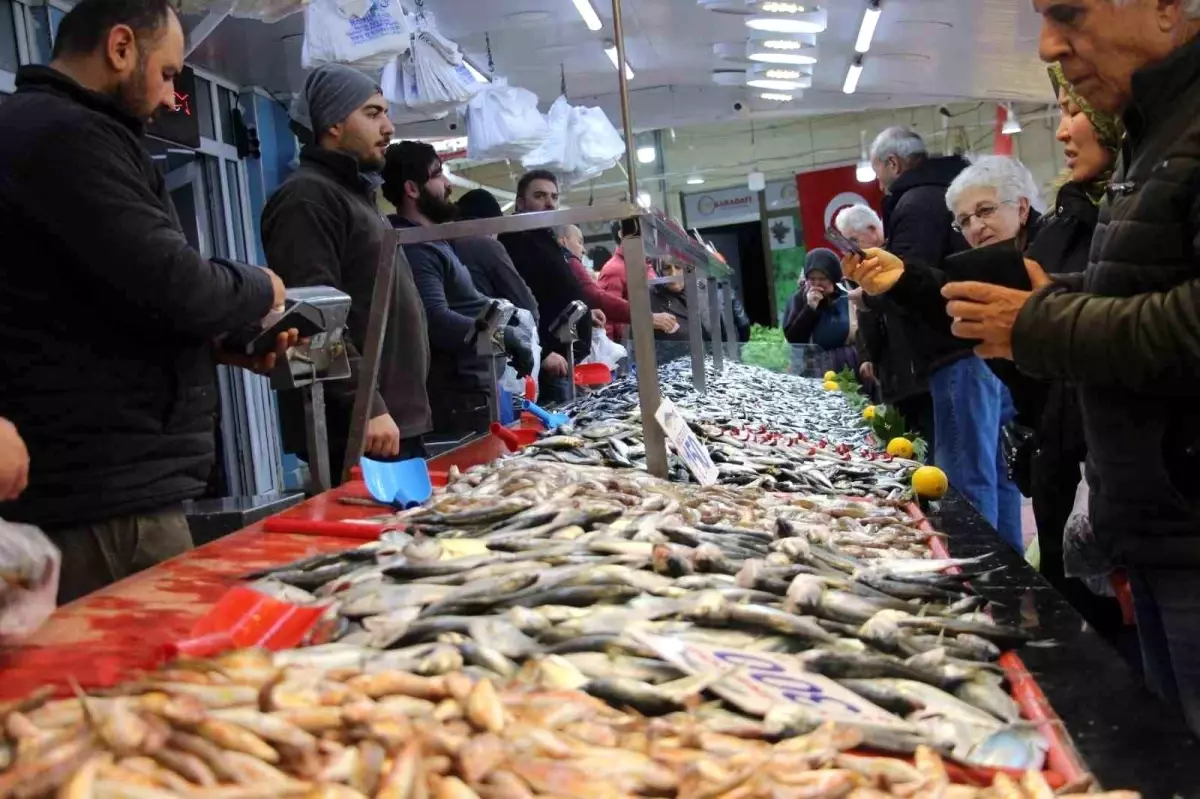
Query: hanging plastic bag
(364, 33)
(503, 123)
(593, 145)
(605, 350)
(1083, 557)
(526, 330)
(269, 11)
(552, 152)
(29, 565)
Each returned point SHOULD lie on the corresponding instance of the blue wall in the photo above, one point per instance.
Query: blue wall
(278, 148)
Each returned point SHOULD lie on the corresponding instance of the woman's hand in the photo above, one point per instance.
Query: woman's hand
(814, 297)
(877, 274)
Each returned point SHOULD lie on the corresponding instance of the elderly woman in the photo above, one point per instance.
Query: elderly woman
(820, 312)
(993, 204)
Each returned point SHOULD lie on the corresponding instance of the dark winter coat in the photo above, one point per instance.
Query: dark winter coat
(1127, 331)
(493, 272)
(918, 228)
(107, 315)
(827, 325)
(322, 228)
(540, 262)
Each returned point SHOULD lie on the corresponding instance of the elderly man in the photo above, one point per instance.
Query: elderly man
(322, 228)
(1127, 331)
(885, 355)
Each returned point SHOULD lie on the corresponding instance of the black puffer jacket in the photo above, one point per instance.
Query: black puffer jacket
(1128, 332)
(107, 315)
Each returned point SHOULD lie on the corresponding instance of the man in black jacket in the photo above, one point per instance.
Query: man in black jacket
(539, 258)
(492, 271)
(108, 317)
(1127, 331)
(322, 228)
(461, 382)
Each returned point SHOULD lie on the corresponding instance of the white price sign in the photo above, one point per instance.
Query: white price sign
(759, 682)
(694, 453)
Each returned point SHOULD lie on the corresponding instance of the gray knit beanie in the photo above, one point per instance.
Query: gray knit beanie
(331, 93)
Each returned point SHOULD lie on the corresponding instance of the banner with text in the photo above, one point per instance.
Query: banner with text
(734, 206)
(825, 192)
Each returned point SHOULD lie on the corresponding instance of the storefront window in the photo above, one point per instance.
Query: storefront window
(226, 102)
(204, 109)
(215, 206)
(235, 204)
(10, 60)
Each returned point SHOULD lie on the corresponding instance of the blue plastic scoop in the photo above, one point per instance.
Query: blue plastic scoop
(403, 484)
(550, 420)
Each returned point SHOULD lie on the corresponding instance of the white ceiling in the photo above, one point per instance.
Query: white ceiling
(925, 52)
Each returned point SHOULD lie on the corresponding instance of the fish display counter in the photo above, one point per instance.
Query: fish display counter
(775, 585)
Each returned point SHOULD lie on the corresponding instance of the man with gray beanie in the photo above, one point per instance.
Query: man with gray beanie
(322, 228)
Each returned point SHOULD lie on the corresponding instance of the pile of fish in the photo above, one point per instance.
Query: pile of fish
(520, 560)
(250, 725)
(778, 432)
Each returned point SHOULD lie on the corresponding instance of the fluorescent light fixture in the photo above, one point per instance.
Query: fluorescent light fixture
(590, 17)
(695, 180)
(865, 172)
(645, 155)
(643, 199)
(867, 31)
(778, 97)
(610, 50)
(1012, 123)
(856, 68)
(787, 18)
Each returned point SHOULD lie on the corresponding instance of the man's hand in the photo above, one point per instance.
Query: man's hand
(666, 323)
(383, 437)
(519, 353)
(984, 312)
(1037, 275)
(278, 288)
(877, 274)
(598, 318)
(866, 371)
(262, 364)
(554, 365)
(14, 462)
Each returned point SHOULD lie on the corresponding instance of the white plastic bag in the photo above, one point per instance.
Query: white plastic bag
(527, 331)
(552, 152)
(605, 350)
(364, 33)
(29, 565)
(593, 145)
(503, 122)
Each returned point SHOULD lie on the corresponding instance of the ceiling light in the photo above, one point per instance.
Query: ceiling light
(782, 44)
(774, 49)
(1012, 123)
(590, 18)
(865, 172)
(645, 155)
(771, 78)
(783, 74)
(695, 180)
(777, 85)
(856, 68)
(867, 31)
(787, 18)
(643, 199)
(778, 97)
(610, 50)
(756, 181)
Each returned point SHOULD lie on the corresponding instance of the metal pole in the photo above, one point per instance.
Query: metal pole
(623, 86)
(318, 439)
(391, 258)
(717, 324)
(643, 350)
(695, 328)
(731, 346)
(494, 395)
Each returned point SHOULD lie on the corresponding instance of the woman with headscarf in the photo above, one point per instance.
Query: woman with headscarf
(820, 312)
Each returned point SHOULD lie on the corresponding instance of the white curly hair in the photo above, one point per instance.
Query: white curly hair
(857, 219)
(1011, 180)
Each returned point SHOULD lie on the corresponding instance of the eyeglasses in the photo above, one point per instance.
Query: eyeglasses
(983, 213)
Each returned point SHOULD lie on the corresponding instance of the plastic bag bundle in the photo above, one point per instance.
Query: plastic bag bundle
(366, 34)
(552, 152)
(441, 77)
(605, 350)
(503, 123)
(29, 565)
(581, 143)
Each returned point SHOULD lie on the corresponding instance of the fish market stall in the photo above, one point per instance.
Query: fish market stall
(569, 567)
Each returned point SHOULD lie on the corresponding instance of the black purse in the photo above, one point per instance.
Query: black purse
(1020, 445)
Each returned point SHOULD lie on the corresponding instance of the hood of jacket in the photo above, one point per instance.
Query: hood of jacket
(823, 260)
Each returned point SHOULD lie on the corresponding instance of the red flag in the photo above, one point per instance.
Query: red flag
(825, 192)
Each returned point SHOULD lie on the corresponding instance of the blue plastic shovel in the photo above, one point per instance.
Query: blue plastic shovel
(550, 420)
(402, 484)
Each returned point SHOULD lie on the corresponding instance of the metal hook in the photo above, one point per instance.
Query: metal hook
(487, 39)
(562, 87)
(420, 10)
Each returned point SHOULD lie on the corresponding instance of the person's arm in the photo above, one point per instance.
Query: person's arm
(800, 321)
(303, 241)
(448, 329)
(918, 293)
(916, 235)
(612, 281)
(616, 310)
(871, 334)
(137, 264)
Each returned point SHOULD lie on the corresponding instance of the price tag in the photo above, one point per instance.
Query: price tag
(759, 682)
(694, 453)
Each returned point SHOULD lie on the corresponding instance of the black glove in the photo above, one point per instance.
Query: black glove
(519, 353)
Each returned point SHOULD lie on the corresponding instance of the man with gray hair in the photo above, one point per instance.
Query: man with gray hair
(323, 228)
(1127, 331)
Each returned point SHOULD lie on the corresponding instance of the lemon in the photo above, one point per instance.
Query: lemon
(930, 482)
(831, 376)
(832, 386)
(900, 447)
(869, 412)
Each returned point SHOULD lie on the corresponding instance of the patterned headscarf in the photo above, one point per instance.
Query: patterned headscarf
(1110, 130)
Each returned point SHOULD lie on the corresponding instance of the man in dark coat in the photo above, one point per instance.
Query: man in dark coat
(491, 269)
(322, 228)
(1127, 331)
(108, 317)
(461, 382)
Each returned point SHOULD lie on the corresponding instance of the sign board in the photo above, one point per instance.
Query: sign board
(181, 126)
(782, 230)
(824, 193)
(694, 453)
(759, 682)
(736, 205)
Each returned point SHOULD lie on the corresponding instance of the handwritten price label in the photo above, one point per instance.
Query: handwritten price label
(759, 681)
(694, 454)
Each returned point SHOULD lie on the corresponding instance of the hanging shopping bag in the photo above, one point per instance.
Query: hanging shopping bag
(503, 123)
(605, 350)
(364, 33)
(552, 152)
(593, 145)
(29, 566)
